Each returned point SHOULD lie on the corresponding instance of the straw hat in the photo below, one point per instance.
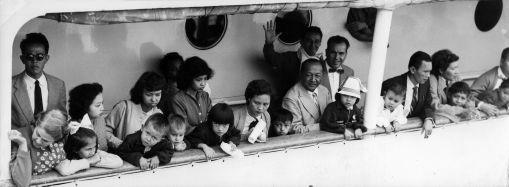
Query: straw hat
(353, 87)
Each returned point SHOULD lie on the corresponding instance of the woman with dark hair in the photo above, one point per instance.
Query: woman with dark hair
(444, 73)
(258, 93)
(191, 101)
(86, 102)
(127, 116)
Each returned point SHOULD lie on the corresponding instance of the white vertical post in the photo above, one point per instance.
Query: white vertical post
(6, 39)
(377, 65)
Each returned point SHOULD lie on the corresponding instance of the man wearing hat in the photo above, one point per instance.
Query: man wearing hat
(307, 99)
(417, 101)
(343, 116)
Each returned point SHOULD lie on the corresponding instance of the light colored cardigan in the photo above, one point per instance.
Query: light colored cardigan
(240, 120)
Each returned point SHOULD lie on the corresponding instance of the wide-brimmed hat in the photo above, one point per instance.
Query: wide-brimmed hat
(353, 87)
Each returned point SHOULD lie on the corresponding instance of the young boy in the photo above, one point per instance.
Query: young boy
(391, 113)
(219, 128)
(147, 148)
(498, 97)
(459, 105)
(343, 116)
(281, 122)
(177, 132)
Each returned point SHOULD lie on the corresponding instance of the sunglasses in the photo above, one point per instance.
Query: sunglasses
(37, 57)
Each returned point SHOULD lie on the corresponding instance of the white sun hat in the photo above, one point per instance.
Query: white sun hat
(353, 87)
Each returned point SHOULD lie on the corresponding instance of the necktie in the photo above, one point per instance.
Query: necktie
(336, 70)
(253, 124)
(414, 98)
(315, 99)
(37, 98)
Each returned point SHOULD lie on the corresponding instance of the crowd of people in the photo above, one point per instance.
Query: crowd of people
(173, 112)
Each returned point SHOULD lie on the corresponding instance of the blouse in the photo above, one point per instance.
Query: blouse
(126, 118)
(194, 109)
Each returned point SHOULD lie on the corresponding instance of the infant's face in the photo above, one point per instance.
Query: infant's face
(458, 99)
(391, 100)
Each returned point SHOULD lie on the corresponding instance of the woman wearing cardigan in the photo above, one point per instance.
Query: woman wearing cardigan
(257, 95)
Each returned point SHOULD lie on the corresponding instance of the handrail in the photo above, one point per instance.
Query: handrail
(195, 155)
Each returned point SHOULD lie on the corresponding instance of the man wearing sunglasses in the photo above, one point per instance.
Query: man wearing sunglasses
(33, 90)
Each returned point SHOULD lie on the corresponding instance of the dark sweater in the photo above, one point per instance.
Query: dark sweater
(131, 150)
(205, 134)
(336, 118)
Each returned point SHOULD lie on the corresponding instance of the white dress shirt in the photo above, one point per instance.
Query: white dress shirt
(30, 85)
(315, 99)
(333, 81)
(500, 77)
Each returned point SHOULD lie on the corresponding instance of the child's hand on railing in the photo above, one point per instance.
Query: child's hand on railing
(144, 163)
(348, 134)
(209, 152)
(358, 134)
(154, 162)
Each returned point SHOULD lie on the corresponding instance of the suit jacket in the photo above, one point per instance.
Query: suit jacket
(240, 119)
(348, 72)
(486, 81)
(286, 65)
(21, 111)
(303, 108)
(422, 108)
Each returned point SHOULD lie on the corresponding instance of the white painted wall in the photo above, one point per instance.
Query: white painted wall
(116, 55)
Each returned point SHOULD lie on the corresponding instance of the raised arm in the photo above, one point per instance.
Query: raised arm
(21, 163)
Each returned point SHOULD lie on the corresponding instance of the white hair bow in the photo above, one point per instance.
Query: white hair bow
(85, 123)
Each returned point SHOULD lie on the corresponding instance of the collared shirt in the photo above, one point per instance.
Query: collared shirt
(315, 99)
(409, 93)
(334, 81)
(500, 77)
(194, 109)
(248, 121)
(303, 55)
(30, 85)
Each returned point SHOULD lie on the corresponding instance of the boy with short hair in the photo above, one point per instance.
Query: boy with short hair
(391, 113)
(343, 116)
(281, 122)
(148, 148)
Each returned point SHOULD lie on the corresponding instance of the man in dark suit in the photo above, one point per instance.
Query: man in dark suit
(335, 71)
(34, 91)
(417, 101)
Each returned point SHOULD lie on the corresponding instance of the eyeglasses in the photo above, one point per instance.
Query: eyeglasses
(38, 57)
